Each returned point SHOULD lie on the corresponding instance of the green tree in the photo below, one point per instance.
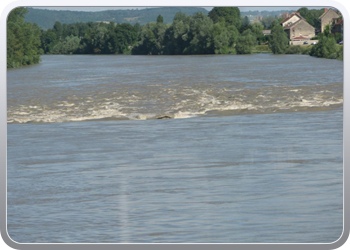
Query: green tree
(229, 15)
(68, 46)
(121, 38)
(326, 47)
(48, 41)
(268, 22)
(176, 38)
(246, 42)
(312, 16)
(279, 39)
(233, 34)
(23, 40)
(148, 44)
(160, 19)
(220, 39)
(58, 30)
(199, 34)
(245, 24)
(256, 29)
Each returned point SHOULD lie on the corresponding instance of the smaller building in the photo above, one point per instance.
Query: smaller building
(266, 32)
(337, 26)
(327, 18)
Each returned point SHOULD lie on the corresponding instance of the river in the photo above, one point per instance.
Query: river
(176, 149)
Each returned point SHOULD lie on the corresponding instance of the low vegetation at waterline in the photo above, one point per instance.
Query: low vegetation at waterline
(222, 31)
(327, 48)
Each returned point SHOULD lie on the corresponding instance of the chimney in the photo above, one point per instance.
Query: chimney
(325, 10)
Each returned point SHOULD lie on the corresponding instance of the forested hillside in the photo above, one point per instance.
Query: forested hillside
(47, 18)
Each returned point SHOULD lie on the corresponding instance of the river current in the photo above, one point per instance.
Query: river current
(248, 150)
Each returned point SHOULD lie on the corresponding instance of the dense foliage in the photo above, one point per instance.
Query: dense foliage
(217, 33)
(327, 45)
(23, 40)
(312, 16)
(89, 38)
(222, 31)
(229, 15)
(279, 40)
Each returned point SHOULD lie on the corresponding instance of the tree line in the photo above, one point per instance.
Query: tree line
(222, 31)
(89, 38)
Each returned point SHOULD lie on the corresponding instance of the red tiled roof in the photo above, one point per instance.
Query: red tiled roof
(300, 38)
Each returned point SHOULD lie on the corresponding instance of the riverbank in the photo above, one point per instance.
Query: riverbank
(300, 50)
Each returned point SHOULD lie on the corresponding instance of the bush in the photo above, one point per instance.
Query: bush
(325, 48)
(307, 50)
(340, 53)
(294, 50)
(297, 49)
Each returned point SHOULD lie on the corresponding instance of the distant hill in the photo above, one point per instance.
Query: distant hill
(47, 18)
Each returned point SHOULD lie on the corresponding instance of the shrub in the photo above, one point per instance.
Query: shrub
(325, 48)
(294, 50)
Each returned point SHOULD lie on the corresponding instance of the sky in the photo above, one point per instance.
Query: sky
(120, 8)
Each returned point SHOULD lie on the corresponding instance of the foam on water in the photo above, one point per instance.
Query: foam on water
(175, 101)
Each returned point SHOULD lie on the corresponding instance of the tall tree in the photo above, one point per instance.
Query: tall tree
(229, 15)
(245, 24)
(246, 42)
(160, 19)
(221, 38)
(312, 16)
(279, 39)
(268, 21)
(23, 40)
(177, 35)
(199, 34)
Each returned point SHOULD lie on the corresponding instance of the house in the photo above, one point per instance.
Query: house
(300, 30)
(293, 18)
(327, 17)
(266, 32)
(337, 26)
